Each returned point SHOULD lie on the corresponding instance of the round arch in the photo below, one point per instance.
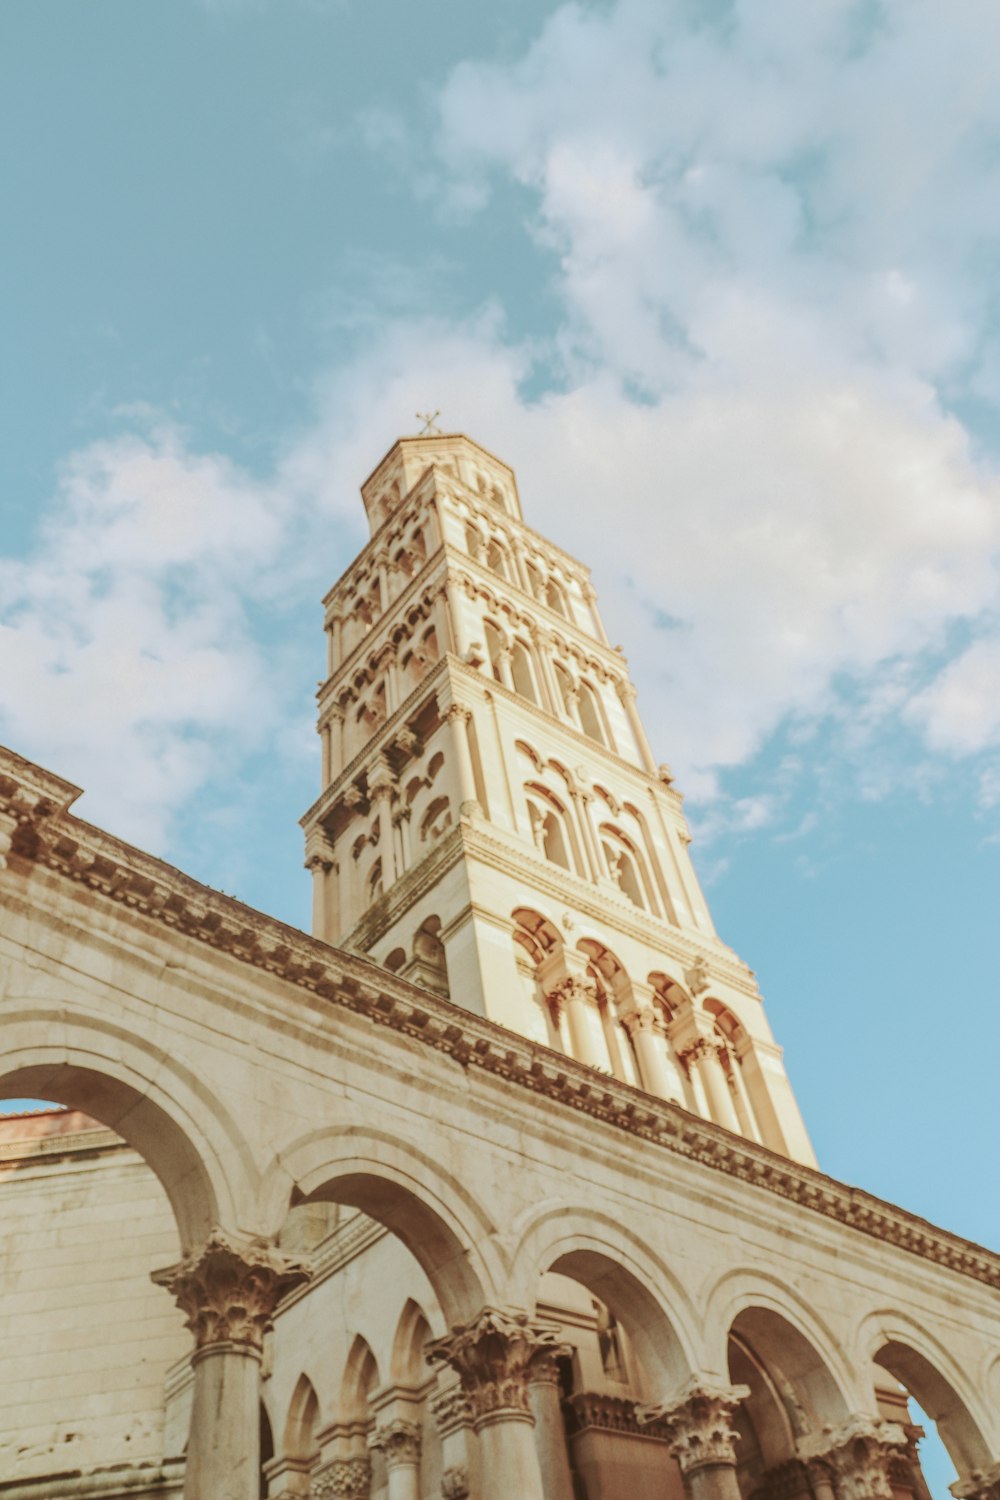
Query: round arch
(743, 1289)
(156, 1104)
(912, 1356)
(640, 1289)
(430, 1211)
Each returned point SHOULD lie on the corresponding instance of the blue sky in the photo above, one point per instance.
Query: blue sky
(720, 280)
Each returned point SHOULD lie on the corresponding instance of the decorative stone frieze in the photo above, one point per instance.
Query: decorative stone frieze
(859, 1453)
(455, 1483)
(228, 1293)
(343, 1479)
(698, 1423)
(596, 1411)
(398, 1441)
(981, 1484)
(493, 1356)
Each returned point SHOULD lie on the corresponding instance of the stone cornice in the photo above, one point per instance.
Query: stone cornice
(77, 852)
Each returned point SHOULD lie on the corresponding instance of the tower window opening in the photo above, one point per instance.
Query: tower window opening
(623, 867)
(374, 882)
(548, 828)
(435, 820)
(522, 672)
(495, 648)
(591, 718)
(496, 559)
(555, 598)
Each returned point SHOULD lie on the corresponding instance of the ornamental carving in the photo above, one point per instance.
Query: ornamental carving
(493, 1356)
(455, 1483)
(643, 1021)
(860, 1453)
(344, 1479)
(698, 1424)
(398, 1442)
(981, 1484)
(568, 992)
(702, 1046)
(451, 1409)
(227, 1293)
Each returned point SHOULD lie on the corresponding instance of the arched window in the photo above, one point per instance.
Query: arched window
(522, 671)
(555, 597)
(567, 691)
(625, 866)
(612, 990)
(495, 647)
(428, 965)
(730, 1034)
(435, 820)
(549, 828)
(591, 714)
(496, 559)
(373, 885)
(536, 583)
(474, 544)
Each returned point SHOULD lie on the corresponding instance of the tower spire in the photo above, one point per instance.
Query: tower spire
(493, 823)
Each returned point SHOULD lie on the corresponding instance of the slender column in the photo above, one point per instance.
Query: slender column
(698, 1424)
(336, 723)
(504, 668)
(572, 704)
(703, 1054)
(858, 1455)
(453, 594)
(228, 1296)
(399, 1443)
(380, 788)
(550, 1432)
(573, 998)
(401, 823)
(320, 862)
(493, 1355)
(458, 717)
(649, 1038)
(392, 689)
(551, 696)
(627, 695)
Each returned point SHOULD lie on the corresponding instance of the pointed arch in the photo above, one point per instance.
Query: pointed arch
(359, 1380)
(302, 1422)
(408, 1366)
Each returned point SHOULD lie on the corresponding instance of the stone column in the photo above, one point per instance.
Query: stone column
(588, 833)
(858, 1455)
(493, 1355)
(504, 668)
(399, 1443)
(698, 1424)
(228, 1294)
(336, 725)
(545, 1399)
(458, 717)
(649, 1038)
(981, 1484)
(573, 999)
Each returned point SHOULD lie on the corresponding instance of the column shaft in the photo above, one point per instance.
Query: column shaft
(550, 1439)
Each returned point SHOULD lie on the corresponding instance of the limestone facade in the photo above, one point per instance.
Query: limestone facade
(493, 1187)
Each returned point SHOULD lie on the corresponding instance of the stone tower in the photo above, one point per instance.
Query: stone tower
(493, 823)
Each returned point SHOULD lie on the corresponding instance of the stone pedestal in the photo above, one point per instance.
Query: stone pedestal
(228, 1294)
(698, 1425)
(493, 1356)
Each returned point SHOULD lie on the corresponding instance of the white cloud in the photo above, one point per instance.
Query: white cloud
(960, 710)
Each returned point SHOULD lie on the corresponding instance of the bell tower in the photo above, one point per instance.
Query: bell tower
(493, 824)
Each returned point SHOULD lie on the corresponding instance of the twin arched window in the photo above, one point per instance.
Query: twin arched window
(549, 827)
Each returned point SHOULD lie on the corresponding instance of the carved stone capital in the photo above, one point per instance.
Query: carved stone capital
(702, 1046)
(455, 713)
(643, 1021)
(570, 991)
(698, 1423)
(859, 1453)
(493, 1356)
(451, 1409)
(455, 1483)
(981, 1484)
(228, 1293)
(398, 1442)
(343, 1479)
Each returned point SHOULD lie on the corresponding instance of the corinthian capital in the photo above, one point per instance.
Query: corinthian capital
(398, 1442)
(343, 1479)
(228, 1293)
(493, 1356)
(859, 1452)
(698, 1423)
(981, 1484)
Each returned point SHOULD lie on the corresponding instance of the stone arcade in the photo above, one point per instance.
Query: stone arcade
(493, 1187)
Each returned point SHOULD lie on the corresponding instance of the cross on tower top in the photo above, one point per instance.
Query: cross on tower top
(430, 427)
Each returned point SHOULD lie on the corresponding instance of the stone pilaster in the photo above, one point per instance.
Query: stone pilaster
(698, 1424)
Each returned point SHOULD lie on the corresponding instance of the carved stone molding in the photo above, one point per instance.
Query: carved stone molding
(698, 1423)
(981, 1484)
(343, 1479)
(493, 1356)
(860, 1454)
(228, 1293)
(398, 1442)
(595, 1410)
